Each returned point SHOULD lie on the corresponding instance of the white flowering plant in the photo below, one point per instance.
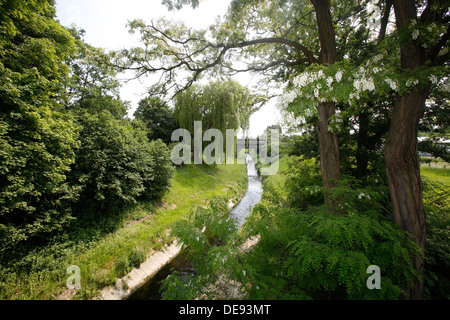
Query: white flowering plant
(345, 83)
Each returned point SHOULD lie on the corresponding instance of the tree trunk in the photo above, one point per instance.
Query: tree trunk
(401, 149)
(328, 141)
(403, 175)
(328, 52)
(329, 148)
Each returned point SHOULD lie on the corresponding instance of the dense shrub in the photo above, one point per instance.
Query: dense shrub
(304, 182)
(136, 257)
(158, 118)
(160, 182)
(116, 163)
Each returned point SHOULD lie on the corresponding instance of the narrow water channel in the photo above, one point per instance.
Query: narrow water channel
(151, 289)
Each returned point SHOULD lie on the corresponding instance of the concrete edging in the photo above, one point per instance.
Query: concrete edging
(138, 276)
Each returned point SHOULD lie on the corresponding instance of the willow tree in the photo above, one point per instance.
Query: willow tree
(220, 105)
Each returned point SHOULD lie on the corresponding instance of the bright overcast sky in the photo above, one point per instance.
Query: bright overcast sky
(105, 24)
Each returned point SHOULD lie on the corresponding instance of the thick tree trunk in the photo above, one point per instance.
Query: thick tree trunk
(403, 174)
(327, 36)
(401, 149)
(329, 147)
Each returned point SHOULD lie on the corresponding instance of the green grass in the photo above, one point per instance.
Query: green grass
(279, 177)
(441, 175)
(145, 227)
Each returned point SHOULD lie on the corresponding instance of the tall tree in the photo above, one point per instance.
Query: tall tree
(93, 86)
(422, 42)
(37, 138)
(328, 141)
(401, 149)
(220, 105)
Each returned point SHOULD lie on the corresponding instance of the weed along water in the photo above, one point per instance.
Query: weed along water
(151, 289)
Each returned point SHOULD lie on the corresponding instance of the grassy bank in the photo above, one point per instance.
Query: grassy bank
(142, 229)
(441, 175)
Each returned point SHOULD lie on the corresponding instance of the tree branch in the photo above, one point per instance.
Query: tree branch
(385, 20)
(197, 54)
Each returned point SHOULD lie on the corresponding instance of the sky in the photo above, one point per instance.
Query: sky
(105, 24)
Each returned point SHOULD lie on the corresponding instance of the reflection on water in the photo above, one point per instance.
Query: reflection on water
(151, 289)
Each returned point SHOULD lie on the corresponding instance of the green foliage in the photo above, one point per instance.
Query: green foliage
(122, 267)
(37, 140)
(206, 238)
(93, 86)
(316, 254)
(306, 145)
(163, 171)
(116, 164)
(308, 251)
(31, 39)
(136, 257)
(304, 182)
(301, 255)
(157, 117)
(304, 252)
(333, 253)
(220, 105)
(435, 123)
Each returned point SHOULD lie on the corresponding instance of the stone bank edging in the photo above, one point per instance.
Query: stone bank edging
(138, 276)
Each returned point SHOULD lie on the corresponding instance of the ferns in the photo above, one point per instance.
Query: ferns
(332, 256)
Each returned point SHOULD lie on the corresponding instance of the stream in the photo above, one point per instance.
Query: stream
(151, 289)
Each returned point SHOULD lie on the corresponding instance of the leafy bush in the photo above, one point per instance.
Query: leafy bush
(37, 144)
(116, 164)
(158, 118)
(163, 170)
(37, 139)
(206, 239)
(304, 182)
(122, 267)
(307, 253)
